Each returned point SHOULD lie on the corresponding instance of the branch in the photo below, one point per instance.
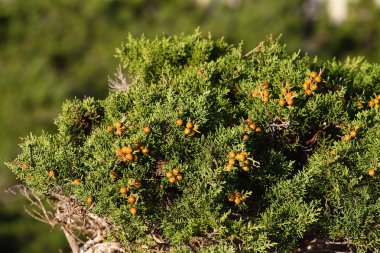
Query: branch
(72, 242)
(119, 82)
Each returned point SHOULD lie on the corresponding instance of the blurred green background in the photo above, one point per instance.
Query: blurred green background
(51, 51)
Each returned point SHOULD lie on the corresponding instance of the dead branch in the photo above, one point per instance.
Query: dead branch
(119, 83)
(84, 231)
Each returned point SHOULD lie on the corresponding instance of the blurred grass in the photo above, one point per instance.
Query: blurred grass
(51, 51)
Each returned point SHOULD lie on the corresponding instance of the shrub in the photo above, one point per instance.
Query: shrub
(206, 148)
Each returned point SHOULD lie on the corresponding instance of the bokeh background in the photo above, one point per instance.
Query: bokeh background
(51, 51)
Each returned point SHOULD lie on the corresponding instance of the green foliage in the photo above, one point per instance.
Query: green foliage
(293, 171)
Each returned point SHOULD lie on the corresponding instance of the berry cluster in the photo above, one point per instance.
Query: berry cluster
(251, 128)
(174, 175)
(262, 92)
(286, 97)
(131, 198)
(311, 83)
(128, 154)
(242, 159)
(353, 133)
(118, 128)
(190, 128)
(375, 102)
(237, 198)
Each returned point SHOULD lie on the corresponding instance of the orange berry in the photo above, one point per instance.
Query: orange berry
(252, 126)
(118, 132)
(308, 92)
(117, 124)
(137, 184)
(179, 177)
(240, 157)
(24, 166)
(231, 154)
(175, 171)
(133, 210)
(290, 101)
(347, 137)
(313, 74)
(376, 101)
(145, 151)
(52, 173)
(229, 168)
(189, 125)
(169, 174)
(89, 200)
(266, 93)
(255, 93)
(248, 121)
(318, 79)
(76, 181)
(245, 168)
(306, 86)
(371, 172)
(187, 131)
(131, 181)
(282, 102)
(237, 200)
(353, 133)
(179, 122)
(265, 85)
(371, 103)
(128, 157)
(289, 95)
(109, 129)
(378, 96)
(245, 163)
(131, 199)
(123, 190)
(126, 150)
(237, 194)
(118, 152)
(231, 197)
(284, 90)
(308, 81)
(171, 180)
(231, 161)
(147, 129)
(258, 130)
(245, 137)
(314, 87)
(192, 133)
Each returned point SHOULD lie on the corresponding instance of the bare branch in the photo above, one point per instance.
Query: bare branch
(119, 83)
(72, 242)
